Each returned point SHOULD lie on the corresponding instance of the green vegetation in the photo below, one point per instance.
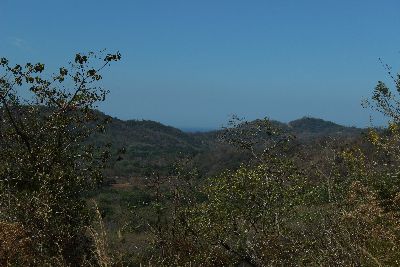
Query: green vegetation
(261, 193)
(143, 147)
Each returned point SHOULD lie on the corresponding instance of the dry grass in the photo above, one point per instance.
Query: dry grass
(15, 245)
(122, 186)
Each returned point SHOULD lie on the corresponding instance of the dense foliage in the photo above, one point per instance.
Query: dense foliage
(45, 167)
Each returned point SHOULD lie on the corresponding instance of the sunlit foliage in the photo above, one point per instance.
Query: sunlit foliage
(45, 165)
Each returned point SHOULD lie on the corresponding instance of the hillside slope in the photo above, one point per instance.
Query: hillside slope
(308, 127)
(150, 146)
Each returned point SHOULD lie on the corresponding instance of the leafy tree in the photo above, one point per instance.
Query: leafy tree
(242, 216)
(46, 164)
(385, 99)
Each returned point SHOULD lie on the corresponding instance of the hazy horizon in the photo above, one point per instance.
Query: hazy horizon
(191, 64)
(194, 128)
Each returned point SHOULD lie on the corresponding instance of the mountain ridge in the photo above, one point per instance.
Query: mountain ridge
(152, 146)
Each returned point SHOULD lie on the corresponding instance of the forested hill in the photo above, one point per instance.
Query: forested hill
(151, 146)
(307, 127)
(143, 146)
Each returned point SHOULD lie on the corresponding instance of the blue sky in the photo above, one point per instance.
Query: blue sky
(193, 63)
